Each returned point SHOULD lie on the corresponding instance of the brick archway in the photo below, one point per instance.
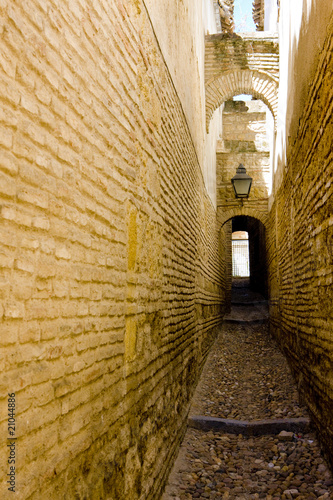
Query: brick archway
(259, 84)
(262, 216)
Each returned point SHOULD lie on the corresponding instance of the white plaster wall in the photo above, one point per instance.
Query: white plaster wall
(302, 31)
(209, 17)
(271, 15)
(215, 134)
(215, 126)
(270, 131)
(180, 27)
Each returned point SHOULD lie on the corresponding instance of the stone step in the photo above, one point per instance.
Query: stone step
(252, 304)
(250, 428)
(264, 319)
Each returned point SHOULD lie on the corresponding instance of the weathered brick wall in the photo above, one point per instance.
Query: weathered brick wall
(253, 51)
(300, 239)
(111, 277)
(242, 63)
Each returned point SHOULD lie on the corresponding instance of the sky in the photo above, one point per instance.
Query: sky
(243, 23)
(243, 16)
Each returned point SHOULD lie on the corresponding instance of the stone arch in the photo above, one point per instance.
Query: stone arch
(257, 244)
(262, 216)
(259, 84)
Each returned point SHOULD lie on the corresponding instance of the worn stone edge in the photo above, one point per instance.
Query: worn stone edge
(262, 303)
(244, 321)
(253, 428)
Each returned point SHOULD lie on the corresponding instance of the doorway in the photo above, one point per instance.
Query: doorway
(249, 262)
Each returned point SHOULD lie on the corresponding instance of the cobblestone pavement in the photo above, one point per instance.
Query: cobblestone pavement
(227, 466)
(247, 378)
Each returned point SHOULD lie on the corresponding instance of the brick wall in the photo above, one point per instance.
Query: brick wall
(244, 63)
(111, 279)
(300, 237)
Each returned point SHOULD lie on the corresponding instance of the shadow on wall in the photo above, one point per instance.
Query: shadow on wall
(257, 251)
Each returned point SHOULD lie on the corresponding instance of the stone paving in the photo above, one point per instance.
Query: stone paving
(228, 466)
(247, 378)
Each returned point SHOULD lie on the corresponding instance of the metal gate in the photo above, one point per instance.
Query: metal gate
(240, 258)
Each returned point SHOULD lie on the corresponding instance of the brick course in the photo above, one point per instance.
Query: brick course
(300, 248)
(112, 271)
(241, 64)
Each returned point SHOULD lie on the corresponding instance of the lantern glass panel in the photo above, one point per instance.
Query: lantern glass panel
(242, 187)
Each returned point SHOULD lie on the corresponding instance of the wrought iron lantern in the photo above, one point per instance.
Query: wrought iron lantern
(241, 183)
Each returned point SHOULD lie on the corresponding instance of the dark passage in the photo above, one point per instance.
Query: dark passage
(257, 251)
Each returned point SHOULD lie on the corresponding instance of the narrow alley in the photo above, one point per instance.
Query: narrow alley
(246, 382)
(151, 152)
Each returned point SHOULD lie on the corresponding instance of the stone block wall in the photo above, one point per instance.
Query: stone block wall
(244, 141)
(300, 237)
(111, 264)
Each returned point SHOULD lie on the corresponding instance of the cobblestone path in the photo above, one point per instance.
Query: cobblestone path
(247, 378)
